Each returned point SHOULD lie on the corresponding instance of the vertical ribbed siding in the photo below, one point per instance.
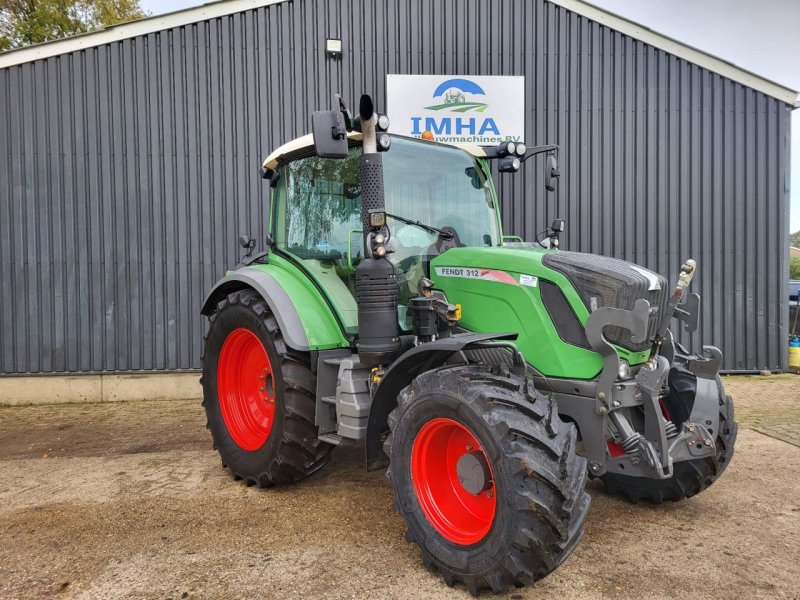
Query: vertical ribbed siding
(130, 169)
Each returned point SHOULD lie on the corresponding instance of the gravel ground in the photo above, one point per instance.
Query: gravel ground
(128, 500)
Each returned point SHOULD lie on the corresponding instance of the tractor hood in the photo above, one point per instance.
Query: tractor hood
(603, 281)
(547, 296)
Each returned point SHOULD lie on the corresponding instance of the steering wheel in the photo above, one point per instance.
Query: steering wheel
(411, 236)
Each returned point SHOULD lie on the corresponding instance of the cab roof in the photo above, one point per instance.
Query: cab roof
(302, 145)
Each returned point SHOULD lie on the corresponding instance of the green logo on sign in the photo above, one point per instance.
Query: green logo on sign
(454, 99)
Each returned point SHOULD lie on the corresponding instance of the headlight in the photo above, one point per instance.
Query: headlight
(383, 122)
(521, 148)
(506, 149)
(508, 164)
(377, 218)
(384, 142)
(624, 369)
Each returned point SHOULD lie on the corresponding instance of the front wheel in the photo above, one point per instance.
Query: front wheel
(486, 476)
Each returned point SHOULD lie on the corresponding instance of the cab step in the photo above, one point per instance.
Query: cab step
(331, 438)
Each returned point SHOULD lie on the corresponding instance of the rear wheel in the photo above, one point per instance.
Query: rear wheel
(259, 396)
(486, 476)
(689, 478)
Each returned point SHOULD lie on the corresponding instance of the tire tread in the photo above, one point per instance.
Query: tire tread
(551, 504)
(299, 452)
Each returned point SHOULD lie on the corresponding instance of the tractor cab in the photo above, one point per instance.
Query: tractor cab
(437, 197)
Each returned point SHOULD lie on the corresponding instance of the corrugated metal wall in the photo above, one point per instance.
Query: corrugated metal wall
(130, 169)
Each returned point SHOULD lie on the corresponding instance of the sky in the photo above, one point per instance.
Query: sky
(762, 37)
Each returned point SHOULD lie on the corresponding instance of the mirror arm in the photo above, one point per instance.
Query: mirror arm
(348, 118)
(549, 148)
(493, 152)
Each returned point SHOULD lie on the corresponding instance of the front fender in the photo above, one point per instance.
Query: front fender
(403, 370)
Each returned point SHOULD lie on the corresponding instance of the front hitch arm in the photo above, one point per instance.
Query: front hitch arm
(635, 321)
(707, 366)
(693, 442)
(655, 453)
(688, 312)
(654, 448)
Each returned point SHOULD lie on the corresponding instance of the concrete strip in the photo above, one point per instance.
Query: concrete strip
(172, 386)
(56, 389)
(73, 389)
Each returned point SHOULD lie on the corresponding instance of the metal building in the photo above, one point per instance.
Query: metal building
(130, 160)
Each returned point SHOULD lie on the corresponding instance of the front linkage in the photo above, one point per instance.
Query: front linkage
(631, 428)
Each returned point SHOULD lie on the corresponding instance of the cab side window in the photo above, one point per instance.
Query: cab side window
(317, 215)
(322, 201)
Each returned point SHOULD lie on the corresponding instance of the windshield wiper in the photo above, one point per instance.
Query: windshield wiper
(448, 235)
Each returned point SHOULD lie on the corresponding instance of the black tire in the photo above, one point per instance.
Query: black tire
(292, 449)
(539, 480)
(689, 478)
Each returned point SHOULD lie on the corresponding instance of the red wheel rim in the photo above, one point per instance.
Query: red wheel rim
(246, 389)
(460, 516)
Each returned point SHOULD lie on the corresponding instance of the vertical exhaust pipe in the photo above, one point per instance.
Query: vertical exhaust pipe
(376, 280)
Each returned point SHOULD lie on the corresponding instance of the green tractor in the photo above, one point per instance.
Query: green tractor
(490, 376)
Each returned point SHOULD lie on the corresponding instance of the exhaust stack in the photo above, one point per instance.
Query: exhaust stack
(376, 280)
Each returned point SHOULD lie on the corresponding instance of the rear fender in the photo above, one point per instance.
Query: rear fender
(315, 331)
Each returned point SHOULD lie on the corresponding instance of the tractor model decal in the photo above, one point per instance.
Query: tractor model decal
(483, 274)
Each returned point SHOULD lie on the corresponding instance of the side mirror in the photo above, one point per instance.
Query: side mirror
(330, 134)
(508, 164)
(248, 243)
(551, 173)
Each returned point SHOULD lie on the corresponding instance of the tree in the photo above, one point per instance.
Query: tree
(26, 22)
(794, 268)
(794, 239)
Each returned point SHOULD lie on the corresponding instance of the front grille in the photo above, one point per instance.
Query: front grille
(603, 281)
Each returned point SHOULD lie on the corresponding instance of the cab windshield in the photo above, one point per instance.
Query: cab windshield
(317, 215)
(441, 186)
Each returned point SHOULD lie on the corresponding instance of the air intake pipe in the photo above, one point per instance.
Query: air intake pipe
(376, 280)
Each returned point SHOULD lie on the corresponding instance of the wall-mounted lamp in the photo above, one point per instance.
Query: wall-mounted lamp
(333, 46)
